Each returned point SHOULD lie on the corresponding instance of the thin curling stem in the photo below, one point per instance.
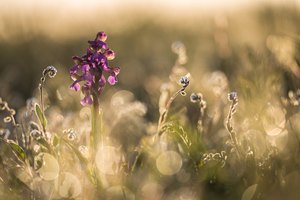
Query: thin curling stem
(12, 112)
(49, 71)
(229, 126)
(41, 95)
(164, 115)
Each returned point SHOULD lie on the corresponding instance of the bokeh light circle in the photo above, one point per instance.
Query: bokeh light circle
(50, 167)
(68, 185)
(108, 159)
(169, 163)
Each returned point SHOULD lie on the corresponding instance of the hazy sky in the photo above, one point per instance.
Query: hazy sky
(54, 17)
(81, 4)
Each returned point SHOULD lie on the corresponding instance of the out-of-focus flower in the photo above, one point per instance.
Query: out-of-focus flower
(184, 81)
(232, 96)
(294, 97)
(196, 97)
(91, 68)
(36, 134)
(70, 133)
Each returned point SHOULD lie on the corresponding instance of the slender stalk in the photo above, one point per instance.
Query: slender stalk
(96, 119)
(229, 126)
(41, 99)
(50, 72)
(202, 106)
(41, 96)
(164, 115)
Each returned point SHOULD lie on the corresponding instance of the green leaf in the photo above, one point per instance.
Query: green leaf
(55, 140)
(17, 150)
(41, 116)
(9, 145)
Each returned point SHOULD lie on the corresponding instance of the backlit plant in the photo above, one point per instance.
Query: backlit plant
(201, 146)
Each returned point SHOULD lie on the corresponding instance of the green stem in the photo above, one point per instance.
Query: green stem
(94, 139)
(96, 119)
(41, 101)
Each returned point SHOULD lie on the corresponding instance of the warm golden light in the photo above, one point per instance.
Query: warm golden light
(149, 99)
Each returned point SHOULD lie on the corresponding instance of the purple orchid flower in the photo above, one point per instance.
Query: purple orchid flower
(88, 72)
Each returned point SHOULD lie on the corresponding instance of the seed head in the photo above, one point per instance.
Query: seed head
(232, 96)
(71, 134)
(36, 134)
(184, 81)
(196, 97)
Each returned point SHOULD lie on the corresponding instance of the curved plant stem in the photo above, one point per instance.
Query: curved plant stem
(41, 100)
(229, 126)
(164, 115)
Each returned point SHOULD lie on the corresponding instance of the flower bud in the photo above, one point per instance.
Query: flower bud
(101, 36)
(232, 96)
(184, 81)
(196, 97)
(109, 54)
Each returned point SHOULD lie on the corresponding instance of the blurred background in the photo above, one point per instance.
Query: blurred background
(248, 46)
(217, 35)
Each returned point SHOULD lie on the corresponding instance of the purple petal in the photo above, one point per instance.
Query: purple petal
(112, 80)
(97, 44)
(102, 81)
(93, 65)
(75, 86)
(87, 100)
(98, 57)
(103, 64)
(88, 55)
(105, 67)
(89, 77)
(74, 69)
(89, 83)
(101, 45)
(85, 68)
